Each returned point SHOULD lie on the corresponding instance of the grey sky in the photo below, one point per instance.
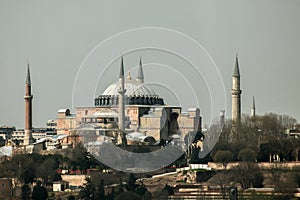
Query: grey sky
(57, 35)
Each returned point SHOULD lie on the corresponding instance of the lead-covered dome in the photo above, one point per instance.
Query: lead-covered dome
(137, 93)
(133, 87)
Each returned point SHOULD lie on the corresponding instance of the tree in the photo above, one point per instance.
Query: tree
(71, 197)
(287, 122)
(223, 156)
(247, 155)
(88, 191)
(258, 179)
(284, 182)
(128, 196)
(131, 182)
(222, 179)
(247, 174)
(39, 192)
(47, 171)
(25, 192)
(100, 193)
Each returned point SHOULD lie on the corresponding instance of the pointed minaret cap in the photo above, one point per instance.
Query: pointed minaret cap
(121, 68)
(236, 72)
(253, 103)
(140, 75)
(28, 81)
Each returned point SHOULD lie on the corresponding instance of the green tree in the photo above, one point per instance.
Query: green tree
(25, 192)
(258, 179)
(47, 171)
(131, 182)
(223, 156)
(88, 191)
(100, 193)
(247, 174)
(71, 197)
(128, 195)
(39, 192)
(247, 155)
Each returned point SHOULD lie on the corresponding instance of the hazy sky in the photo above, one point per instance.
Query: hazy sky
(56, 36)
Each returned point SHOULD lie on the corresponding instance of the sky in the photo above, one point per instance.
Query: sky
(57, 37)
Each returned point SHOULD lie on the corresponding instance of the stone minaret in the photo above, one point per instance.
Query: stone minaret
(222, 118)
(140, 75)
(236, 96)
(253, 108)
(28, 139)
(121, 92)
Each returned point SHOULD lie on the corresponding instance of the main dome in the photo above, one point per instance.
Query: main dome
(137, 93)
(133, 87)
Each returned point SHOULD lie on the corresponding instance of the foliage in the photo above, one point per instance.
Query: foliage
(88, 192)
(203, 176)
(128, 196)
(247, 155)
(79, 158)
(71, 197)
(265, 135)
(100, 193)
(47, 171)
(39, 192)
(223, 156)
(25, 192)
(131, 183)
(247, 174)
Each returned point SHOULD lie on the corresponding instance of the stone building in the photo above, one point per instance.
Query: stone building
(65, 121)
(144, 110)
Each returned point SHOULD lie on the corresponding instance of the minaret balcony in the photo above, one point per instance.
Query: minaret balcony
(236, 92)
(28, 97)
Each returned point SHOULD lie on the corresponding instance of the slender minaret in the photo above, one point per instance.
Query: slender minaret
(28, 139)
(222, 118)
(253, 108)
(121, 92)
(236, 96)
(140, 75)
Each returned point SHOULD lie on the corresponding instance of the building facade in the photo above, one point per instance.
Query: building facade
(130, 105)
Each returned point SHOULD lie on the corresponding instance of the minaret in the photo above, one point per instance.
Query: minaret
(28, 139)
(222, 118)
(236, 96)
(140, 75)
(253, 108)
(121, 92)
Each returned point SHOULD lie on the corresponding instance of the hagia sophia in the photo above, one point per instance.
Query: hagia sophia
(129, 105)
(128, 109)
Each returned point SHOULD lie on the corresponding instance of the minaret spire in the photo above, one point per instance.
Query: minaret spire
(121, 68)
(28, 139)
(236, 72)
(28, 80)
(140, 75)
